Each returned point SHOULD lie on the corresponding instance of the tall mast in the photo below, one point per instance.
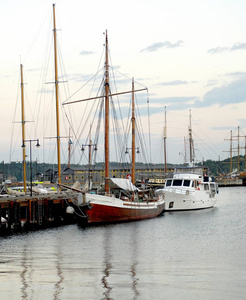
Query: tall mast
(165, 137)
(23, 129)
(106, 146)
(133, 133)
(57, 101)
(69, 149)
(191, 142)
(238, 150)
(245, 153)
(185, 156)
(230, 151)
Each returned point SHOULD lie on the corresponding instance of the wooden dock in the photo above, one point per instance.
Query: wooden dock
(39, 211)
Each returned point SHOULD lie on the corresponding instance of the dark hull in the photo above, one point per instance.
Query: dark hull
(110, 214)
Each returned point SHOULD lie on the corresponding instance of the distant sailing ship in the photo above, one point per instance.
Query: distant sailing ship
(118, 200)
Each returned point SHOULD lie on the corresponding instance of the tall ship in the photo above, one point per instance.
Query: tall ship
(118, 200)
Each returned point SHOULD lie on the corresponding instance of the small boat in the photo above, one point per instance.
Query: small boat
(118, 200)
(189, 189)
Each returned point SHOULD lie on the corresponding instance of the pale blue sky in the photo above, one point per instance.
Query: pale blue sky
(190, 54)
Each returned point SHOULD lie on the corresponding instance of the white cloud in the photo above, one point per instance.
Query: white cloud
(166, 44)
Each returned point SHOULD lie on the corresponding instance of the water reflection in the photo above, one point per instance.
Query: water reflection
(58, 285)
(120, 260)
(107, 263)
(134, 281)
(134, 260)
(177, 256)
(23, 274)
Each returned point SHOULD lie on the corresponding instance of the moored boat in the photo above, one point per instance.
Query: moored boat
(124, 203)
(189, 189)
(118, 200)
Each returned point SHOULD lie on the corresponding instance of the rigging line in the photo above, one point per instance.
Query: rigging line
(46, 17)
(100, 103)
(129, 78)
(127, 130)
(41, 99)
(30, 109)
(98, 69)
(115, 86)
(88, 116)
(203, 143)
(83, 86)
(118, 134)
(140, 132)
(149, 127)
(85, 111)
(142, 143)
(96, 138)
(13, 122)
(205, 135)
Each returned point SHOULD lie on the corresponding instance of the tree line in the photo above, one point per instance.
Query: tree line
(216, 168)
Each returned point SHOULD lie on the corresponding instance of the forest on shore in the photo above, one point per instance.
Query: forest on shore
(14, 169)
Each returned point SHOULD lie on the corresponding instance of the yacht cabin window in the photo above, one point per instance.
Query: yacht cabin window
(186, 182)
(177, 182)
(169, 182)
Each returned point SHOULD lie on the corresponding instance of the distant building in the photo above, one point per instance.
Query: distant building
(70, 175)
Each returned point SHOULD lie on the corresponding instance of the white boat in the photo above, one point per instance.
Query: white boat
(189, 189)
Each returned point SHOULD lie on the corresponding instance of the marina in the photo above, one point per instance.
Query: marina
(104, 193)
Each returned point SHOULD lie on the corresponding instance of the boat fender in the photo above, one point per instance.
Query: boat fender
(69, 210)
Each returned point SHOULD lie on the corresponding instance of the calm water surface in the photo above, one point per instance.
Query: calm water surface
(184, 255)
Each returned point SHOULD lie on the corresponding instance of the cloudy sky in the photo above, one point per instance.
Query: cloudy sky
(190, 54)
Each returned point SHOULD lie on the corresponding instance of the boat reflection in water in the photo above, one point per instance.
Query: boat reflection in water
(114, 279)
(170, 255)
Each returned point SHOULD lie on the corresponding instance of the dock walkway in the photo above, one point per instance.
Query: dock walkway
(37, 211)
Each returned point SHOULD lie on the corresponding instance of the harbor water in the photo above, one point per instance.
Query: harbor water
(181, 255)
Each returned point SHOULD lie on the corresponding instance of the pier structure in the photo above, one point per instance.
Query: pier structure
(39, 211)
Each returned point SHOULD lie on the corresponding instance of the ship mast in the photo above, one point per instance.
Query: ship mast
(165, 138)
(69, 149)
(191, 143)
(133, 133)
(23, 129)
(57, 101)
(106, 140)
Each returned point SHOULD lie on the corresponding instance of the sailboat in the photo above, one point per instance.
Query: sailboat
(189, 188)
(119, 200)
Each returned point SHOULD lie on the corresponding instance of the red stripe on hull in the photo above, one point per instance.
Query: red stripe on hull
(102, 213)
